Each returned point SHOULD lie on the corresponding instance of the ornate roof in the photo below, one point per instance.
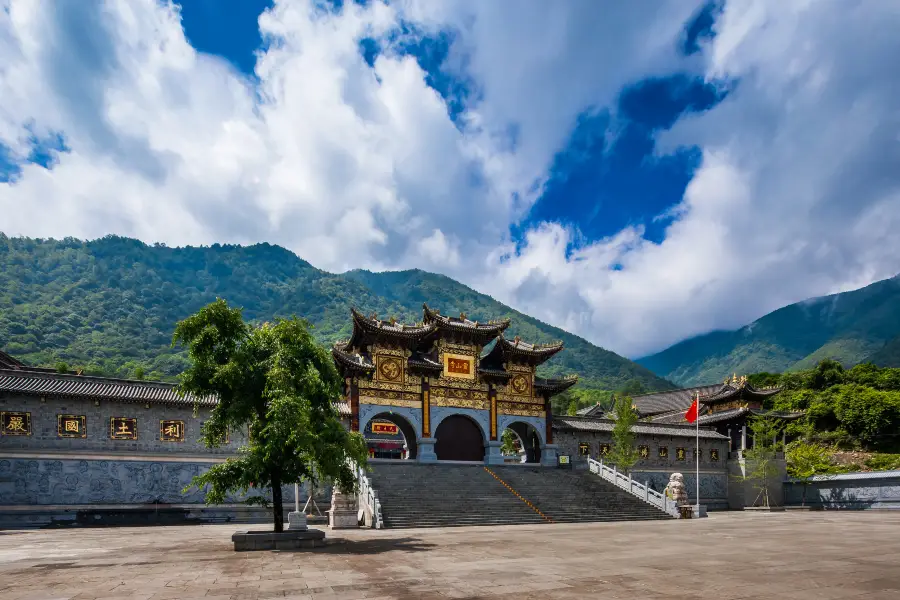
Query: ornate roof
(479, 333)
(554, 386)
(735, 413)
(737, 389)
(367, 329)
(420, 360)
(8, 362)
(516, 350)
(595, 410)
(347, 360)
(658, 403)
(66, 385)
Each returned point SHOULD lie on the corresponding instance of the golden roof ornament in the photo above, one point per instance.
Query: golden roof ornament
(393, 320)
(462, 316)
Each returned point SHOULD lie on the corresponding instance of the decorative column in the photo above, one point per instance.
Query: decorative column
(354, 404)
(426, 443)
(492, 395)
(548, 419)
(730, 441)
(743, 437)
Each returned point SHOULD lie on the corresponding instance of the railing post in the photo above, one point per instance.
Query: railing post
(646, 491)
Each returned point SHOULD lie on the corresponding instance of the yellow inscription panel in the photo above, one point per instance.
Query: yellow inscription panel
(459, 366)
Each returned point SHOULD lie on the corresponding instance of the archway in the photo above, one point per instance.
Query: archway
(385, 441)
(459, 438)
(529, 439)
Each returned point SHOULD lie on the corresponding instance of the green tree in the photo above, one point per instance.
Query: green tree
(275, 382)
(760, 459)
(509, 445)
(805, 460)
(623, 454)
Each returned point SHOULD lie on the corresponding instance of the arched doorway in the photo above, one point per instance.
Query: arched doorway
(390, 436)
(459, 438)
(529, 439)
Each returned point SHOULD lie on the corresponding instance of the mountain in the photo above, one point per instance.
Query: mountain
(850, 327)
(110, 305)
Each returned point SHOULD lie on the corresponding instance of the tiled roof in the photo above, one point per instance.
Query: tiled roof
(555, 386)
(343, 408)
(8, 362)
(594, 424)
(733, 413)
(590, 411)
(349, 359)
(36, 383)
(423, 361)
(674, 400)
(491, 328)
(533, 354)
(740, 389)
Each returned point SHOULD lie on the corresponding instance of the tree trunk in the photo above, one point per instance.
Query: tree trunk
(276, 502)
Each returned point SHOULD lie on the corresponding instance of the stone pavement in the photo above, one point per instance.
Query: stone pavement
(822, 555)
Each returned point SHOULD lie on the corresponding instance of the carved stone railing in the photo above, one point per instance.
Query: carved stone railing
(368, 500)
(640, 490)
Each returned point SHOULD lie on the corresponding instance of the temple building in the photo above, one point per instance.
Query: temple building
(725, 407)
(449, 399)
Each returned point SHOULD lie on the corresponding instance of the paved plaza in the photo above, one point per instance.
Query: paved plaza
(729, 555)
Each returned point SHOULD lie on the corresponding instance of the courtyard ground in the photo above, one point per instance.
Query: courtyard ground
(821, 555)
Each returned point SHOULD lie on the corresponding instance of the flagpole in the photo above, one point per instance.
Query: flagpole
(697, 515)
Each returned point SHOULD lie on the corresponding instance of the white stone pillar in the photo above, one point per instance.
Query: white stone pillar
(744, 437)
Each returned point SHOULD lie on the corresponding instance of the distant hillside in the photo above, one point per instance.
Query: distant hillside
(110, 305)
(850, 327)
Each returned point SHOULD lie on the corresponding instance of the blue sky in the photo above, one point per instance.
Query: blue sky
(590, 176)
(635, 176)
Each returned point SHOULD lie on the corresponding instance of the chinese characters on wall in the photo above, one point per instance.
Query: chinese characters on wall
(171, 431)
(70, 426)
(122, 428)
(15, 423)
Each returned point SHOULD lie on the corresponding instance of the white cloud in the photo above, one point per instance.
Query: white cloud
(351, 166)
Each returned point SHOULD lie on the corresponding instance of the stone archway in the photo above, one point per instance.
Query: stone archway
(531, 440)
(459, 438)
(406, 431)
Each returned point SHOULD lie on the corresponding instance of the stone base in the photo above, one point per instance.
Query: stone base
(286, 540)
(426, 452)
(297, 521)
(342, 519)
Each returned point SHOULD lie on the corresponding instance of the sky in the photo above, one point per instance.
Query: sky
(636, 173)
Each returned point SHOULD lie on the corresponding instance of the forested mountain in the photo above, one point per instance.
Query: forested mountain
(851, 327)
(110, 305)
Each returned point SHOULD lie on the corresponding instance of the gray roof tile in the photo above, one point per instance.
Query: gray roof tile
(594, 424)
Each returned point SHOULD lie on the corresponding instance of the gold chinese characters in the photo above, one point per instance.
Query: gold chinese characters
(15, 423)
(70, 426)
(171, 431)
(123, 428)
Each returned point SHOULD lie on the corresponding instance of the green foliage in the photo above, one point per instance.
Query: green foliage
(852, 327)
(277, 383)
(509, 443)
(760, 459)
(884, 462)
(623, 453)
(805, 459)
(108, 305)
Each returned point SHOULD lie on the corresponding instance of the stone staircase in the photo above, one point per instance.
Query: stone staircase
(445, 495)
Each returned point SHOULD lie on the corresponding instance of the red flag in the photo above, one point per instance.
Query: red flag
(691, 415)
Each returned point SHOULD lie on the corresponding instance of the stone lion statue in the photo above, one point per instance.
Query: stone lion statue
(675, 490)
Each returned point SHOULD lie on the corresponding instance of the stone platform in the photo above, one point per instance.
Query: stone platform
(305, 539)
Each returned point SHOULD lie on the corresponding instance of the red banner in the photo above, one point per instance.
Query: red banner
(384, 427)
